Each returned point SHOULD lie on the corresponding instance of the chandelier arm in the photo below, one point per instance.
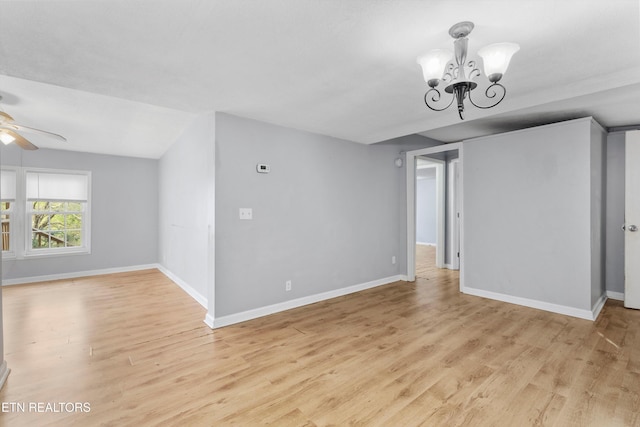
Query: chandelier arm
(475, 72)
(449, 74)
(491, 95)
(435, 98)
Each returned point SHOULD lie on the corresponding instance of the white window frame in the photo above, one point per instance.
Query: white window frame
(15, 217)
(22, 225)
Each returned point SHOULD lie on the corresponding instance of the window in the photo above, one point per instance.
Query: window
(55, 224)
(7, 201)
(6, 226)
(49, 216)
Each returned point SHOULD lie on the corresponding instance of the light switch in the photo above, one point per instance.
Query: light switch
(246, 213)
(262, 168)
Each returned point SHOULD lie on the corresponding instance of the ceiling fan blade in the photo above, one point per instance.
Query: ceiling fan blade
(20, 141)
(5, 118)
(42, 132)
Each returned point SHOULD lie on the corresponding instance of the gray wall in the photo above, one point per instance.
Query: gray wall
(527, 214)
(426, 206)
(124, 212)
(615, 212)
(329, 215)
(185, 178)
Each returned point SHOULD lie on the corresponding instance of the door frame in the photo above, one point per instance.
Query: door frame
(454, 216)
(631, 217)
(411, 203)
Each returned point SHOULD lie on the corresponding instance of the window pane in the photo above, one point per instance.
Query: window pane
(39, 240)
(5, 206)
(57, 206)
(74, 238)
(40, 221)
(57, 239)
(74, 207)
(40, 206)
(74, 221)
(56, 222)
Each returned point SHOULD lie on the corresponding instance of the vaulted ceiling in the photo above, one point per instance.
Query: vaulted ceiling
(126, 77)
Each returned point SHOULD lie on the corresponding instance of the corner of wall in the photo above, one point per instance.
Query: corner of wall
(597, 307)
(531, 303)
(4, 372)
(201, 299)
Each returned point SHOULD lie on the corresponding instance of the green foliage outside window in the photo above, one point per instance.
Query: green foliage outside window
(56, 224)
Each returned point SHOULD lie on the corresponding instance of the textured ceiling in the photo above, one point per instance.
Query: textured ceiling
(126, 77)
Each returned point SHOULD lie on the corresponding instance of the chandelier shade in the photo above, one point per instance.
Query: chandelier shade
(441, 65)
(496, 58)
(433, 64)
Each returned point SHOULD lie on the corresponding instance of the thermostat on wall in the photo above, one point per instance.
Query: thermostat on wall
(262, 168)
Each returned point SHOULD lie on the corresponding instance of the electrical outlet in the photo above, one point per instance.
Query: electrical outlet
(246, 213)
(393, 259)
(287, 285)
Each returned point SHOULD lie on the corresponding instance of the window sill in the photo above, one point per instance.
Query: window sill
(54, 253)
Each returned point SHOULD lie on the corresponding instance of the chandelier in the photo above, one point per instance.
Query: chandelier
(437, 66)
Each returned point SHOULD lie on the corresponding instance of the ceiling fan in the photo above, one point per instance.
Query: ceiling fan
(9, 132)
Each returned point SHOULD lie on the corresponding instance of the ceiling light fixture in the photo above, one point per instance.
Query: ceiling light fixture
(6, 138)
(437, 66)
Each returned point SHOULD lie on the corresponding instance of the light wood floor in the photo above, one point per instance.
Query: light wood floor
(135, 347)
(426, 263)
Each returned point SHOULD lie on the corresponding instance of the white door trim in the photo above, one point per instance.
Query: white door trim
(454, 220)
(411, 203)
(631, 218)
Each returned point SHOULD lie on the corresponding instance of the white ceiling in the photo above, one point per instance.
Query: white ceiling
(126, 77)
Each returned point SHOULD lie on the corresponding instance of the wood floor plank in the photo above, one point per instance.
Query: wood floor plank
(134, 346)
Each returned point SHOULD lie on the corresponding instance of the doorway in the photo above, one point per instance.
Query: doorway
(429, 218)
(445, 163)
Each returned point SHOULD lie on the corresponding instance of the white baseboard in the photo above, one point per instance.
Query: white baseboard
(208, 320)
(403, 277)
(62, 276)
(49, 277)
(619, 296)
(540, 305)
(185, 286)
(295, 303)
(597, 307)
(4, 373)
(425, 244)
